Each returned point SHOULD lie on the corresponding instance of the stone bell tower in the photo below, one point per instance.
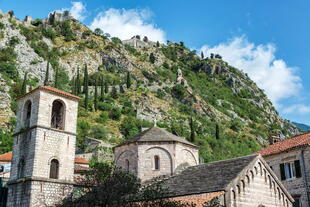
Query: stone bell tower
(44, 148)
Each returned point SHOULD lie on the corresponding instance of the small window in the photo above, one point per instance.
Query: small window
(21, 168)
(57, 120)
(156, 162)
(127, 165)
(296, 202)
(290, 170)
(54, 169)
(27, 113)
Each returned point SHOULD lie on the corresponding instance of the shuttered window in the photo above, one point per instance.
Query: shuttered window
(290, 170)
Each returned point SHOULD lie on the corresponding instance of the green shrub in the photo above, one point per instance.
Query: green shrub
(1, 25)
(13, 41)
(104, 106)
(115, 113)
(49, 33)
(103, 117)
(178, 91)
(116, 40)
(99, 132)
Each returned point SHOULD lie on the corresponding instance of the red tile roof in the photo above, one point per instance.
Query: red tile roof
(288, 144)
(7, 157)
(53, 90)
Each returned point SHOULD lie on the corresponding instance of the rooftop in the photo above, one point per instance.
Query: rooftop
(207, 178)
(156, 134)
(286, 145)
(54, 91)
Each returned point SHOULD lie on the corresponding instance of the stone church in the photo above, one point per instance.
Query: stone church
(42, 169)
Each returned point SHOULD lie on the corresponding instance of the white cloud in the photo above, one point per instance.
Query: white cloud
(78, 10)
(297, 108)
(127, 23)
(278, 80)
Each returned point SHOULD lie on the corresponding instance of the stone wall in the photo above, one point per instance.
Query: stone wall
(296, 186)
(257, 186)
(130, 153)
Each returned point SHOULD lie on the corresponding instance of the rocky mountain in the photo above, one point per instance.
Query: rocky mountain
(137, 82)
(302, 127)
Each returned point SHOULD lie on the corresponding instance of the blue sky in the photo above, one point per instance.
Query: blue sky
(269, 40)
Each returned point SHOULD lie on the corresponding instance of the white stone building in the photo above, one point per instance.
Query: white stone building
(44, 148)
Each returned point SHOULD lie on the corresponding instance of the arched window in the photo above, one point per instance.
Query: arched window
(127, 165)
(57, 121)
(156, 162)
(54, 169)
(21, 168)
(27, 113)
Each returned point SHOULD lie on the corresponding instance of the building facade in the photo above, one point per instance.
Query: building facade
(155, 152)
(44, 148)
(290, 161)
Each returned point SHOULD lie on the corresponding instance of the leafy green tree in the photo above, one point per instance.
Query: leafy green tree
(6, 141)
(86, 87)
(47, 74)
(98, 31)
(152, 58)
(128, 80)
(11, 14)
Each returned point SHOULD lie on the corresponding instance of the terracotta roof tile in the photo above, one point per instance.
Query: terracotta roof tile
(80, 160)
(6, 157)
(288, 144)
(53, 90)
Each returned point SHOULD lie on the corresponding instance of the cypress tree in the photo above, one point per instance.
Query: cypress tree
(114, 93)
(106, 87)
(152, 58)
(217, 131)
(86, 87)
(56, 78)
(96, 96)
(24, 84)
(157, 44)
(202, 55)
(192, 127)
(121, 89)
(128, 81)
(102, 87)
(47, 74)
(78, 82)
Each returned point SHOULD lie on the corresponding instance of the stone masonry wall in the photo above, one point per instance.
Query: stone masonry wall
(185, 156)
(130, 153)
(296, 186)
(258, 186)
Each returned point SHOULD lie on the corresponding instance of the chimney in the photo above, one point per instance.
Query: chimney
(274, 139)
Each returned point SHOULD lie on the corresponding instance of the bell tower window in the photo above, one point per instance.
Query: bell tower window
(156, 162)
(57, 120)
(54, 169)
(27, 113)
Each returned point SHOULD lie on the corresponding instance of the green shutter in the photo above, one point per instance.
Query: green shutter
(297, 168)
(282, 171)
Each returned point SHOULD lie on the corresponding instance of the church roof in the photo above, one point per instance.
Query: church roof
(52, 90)
(156, 134)
(206, 178)
(286, 145)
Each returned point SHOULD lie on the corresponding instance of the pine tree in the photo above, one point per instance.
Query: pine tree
(128, 81)
(217, 131)
(96, 95)
(202, 55)
(86, 87)
(56, 78)
(24, 84)
(106, 87)
(192, 127)
(47, 74)
(78, 82)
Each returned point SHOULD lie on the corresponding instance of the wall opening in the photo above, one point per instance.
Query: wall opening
(27, 113)
(21, 168)
(54, 169)
(156, 162)
(57, 120)
(127, 165)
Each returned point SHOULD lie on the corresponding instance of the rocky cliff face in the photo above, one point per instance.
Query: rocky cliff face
(194, 98)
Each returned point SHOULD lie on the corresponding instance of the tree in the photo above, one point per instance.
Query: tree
(56, 82)
(78, 82)
(157, 44)
(211, 55)
(152, 58)
(11, 13)
(128, 80)
(96, 95)
(98, 31)
(192, 127)
(24, 84)
(86, 87)
(114, 93)
(202, 55)
(145, 39)
(102, 88)
(121, 89)
(47, 74)
(106, 87)
(217, 131)
(107, 185)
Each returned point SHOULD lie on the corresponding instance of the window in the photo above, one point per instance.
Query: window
(21, 168)
(296, 202)
(290, 170)
(27, 113)
(127, 165)
(156, 162)
(54, 169)
(57, 121)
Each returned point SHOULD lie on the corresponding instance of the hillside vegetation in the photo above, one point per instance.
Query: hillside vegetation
(125, 88)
